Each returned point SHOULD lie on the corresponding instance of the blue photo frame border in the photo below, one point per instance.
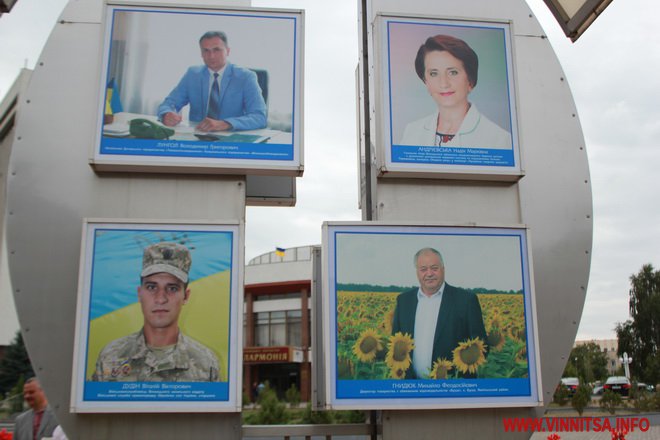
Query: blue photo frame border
(427, 393)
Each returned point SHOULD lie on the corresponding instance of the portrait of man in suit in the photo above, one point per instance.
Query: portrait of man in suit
(222, 96)
(437, 315)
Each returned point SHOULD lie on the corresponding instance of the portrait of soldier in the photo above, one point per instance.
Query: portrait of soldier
(159, 351)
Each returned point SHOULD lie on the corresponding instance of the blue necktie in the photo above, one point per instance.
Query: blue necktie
(214, 101)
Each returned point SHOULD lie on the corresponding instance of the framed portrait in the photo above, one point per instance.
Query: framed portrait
(448, 99)
(159, 305)
(419, 316)
(200, 90)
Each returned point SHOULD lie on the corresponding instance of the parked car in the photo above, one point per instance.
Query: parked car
(641, 386)
(571, 384)
(618, 384)
(597, 388)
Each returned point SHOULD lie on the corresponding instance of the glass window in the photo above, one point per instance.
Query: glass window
(277, 328)
(262, 332)
(294, 328)
(277, 296)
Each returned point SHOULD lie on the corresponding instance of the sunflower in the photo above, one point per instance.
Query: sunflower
(386, 324)
(367, 345)
(521, 356)
(519, 333)
(398, 353)
(495, 321)
(469, 355)
(512, 332)
(398, 373)
(496, 339)
(441, 369)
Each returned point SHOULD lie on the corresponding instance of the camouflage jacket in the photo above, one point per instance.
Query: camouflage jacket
(129, 359)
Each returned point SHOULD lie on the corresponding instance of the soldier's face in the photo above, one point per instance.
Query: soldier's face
(162, 296)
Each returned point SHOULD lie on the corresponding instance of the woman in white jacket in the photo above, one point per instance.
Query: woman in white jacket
(448, 67)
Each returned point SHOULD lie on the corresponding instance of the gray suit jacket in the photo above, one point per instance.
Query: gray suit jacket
(23, 427)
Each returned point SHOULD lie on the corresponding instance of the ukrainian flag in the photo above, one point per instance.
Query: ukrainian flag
(112, 101)
(280, 251)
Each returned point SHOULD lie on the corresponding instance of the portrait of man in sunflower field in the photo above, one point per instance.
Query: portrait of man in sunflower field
(431, 331)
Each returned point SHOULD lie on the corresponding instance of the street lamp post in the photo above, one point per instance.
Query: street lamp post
(625, 360)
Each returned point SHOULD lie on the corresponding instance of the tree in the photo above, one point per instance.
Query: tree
(587, 362)
(581, 398)
(610, 401)
(14, 365)
(640, 336)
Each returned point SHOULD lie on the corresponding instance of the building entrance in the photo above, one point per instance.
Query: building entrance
(280, 377)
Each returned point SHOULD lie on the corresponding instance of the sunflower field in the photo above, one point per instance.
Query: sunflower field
(366, 349)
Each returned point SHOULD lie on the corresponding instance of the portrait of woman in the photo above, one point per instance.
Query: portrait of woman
(448, 68)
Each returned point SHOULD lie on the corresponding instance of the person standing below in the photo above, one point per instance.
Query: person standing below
(221, 95)
(39, 421)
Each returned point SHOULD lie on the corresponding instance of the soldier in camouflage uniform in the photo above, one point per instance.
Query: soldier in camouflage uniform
(159, 352)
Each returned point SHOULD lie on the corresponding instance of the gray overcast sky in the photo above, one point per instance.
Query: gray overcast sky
(613, 74)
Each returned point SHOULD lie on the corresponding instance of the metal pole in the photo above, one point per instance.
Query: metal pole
(367, 124)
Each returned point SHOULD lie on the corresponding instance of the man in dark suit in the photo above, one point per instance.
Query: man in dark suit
(39, 421)
(438, 316)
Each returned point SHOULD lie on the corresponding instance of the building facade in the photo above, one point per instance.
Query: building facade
(277, 322)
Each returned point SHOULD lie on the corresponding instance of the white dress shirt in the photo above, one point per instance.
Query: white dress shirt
(426, 319)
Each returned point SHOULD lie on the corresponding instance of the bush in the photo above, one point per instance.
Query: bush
(610, 401)
(316, 417)
(292, 396)
(634, 392)
(646, 402)
(561, 395)
(581, 398)
(643, 403)
(271, 410)
(353, 416)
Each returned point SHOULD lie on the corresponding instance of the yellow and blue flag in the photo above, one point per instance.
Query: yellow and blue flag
(112, 101)
(280, 251)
